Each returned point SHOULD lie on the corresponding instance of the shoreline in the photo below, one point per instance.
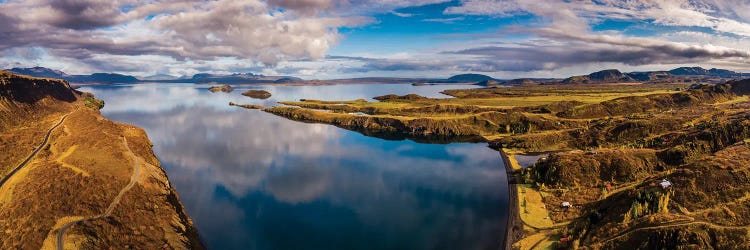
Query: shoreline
(77, 85)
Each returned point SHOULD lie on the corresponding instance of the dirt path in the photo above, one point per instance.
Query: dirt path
(111, 207)
(33, 153)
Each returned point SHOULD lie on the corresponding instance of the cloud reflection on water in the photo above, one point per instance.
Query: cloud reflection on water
(242, 172)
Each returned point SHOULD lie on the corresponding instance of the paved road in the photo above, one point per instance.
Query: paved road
(111, 207)
(33, 153)
(514, 229)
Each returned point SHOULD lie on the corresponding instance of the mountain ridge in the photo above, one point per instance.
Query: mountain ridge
(603, 76)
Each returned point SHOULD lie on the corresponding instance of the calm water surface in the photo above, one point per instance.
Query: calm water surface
(251, 180)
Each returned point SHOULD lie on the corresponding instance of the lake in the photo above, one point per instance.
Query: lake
(252, 180)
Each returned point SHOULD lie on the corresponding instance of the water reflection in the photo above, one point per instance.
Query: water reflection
(251, 180)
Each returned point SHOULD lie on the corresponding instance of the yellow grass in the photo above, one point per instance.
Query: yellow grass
(66, 154)
(538, 240)
(6, 191)
(504, 102)
(739, 99)
(525, 101)
(547, 244)
(533, 211)
(512, 158)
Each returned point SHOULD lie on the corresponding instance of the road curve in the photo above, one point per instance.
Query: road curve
(33, 153)
(111, 207)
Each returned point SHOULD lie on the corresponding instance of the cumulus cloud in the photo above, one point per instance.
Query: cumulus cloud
(247, 29)
(295, 36)
(178, 29)
(720, 15)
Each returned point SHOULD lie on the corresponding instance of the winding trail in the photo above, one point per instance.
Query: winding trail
(111, 207)
(33, 153)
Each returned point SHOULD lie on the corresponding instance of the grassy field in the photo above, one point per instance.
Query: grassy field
(491, 113)
(530, 96)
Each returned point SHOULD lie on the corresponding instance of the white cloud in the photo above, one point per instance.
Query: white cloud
(294, 37)
(399, 14)
(722, 16)
(247, 29)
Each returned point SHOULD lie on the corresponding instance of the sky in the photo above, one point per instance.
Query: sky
(326, 39)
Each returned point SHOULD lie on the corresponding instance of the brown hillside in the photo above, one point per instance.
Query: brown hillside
(85, 164)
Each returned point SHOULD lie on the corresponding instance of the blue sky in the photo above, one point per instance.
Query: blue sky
(420, 27)
(323, 39)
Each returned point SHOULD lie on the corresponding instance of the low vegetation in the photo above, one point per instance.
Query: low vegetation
(86, 162)
(614, 145)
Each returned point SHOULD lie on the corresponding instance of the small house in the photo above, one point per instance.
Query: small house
(566, 204)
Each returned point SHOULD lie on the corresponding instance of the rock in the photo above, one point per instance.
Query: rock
(223, 88)
(397, 97)
(257, 94)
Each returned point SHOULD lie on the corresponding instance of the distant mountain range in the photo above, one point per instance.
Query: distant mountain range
(683, 74)
(106, 78)
(678, 74)
(237, 78)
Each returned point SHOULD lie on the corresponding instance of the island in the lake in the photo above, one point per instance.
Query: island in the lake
(226, 88)
(70, 178)
(647, 160)
(257, 94)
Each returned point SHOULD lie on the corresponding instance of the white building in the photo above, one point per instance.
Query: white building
(665, 184)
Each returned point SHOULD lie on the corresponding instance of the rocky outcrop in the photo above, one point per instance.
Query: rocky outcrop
(223, 88)
(604, 76)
